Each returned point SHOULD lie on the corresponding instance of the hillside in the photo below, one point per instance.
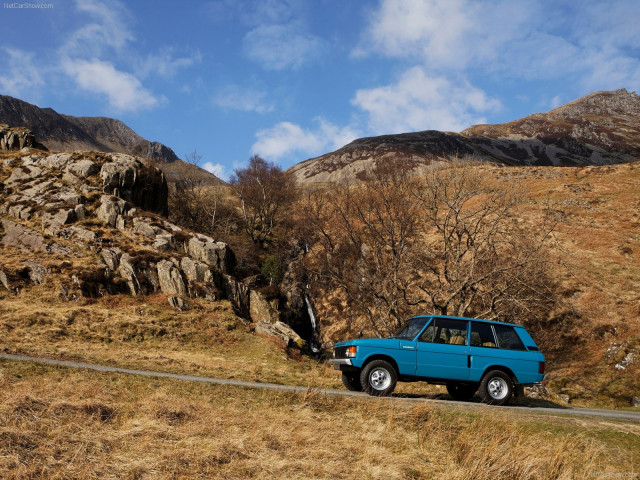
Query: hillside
(58, 132)
(602, 128)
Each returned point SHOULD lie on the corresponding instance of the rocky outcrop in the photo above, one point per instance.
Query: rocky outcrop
(131, 180)
(170, 278)
(99, 208)
(215, 254)
(17, 138)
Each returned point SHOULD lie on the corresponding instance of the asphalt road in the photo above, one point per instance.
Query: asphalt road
(587, 412)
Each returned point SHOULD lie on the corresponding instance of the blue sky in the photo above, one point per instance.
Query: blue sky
(293, 79)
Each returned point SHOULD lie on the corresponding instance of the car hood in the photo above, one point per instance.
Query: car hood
(371, 342)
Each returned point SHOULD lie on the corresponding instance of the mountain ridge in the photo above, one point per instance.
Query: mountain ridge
(600, 128)
(60, 132)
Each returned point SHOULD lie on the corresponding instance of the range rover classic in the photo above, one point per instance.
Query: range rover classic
(468, 355)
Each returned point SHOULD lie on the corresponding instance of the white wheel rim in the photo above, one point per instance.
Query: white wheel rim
(379, 379)
(497, 388)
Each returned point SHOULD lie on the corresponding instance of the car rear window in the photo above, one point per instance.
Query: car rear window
(482, 335)
(508, 338)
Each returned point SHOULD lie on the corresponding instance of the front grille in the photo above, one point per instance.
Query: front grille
(340, 352)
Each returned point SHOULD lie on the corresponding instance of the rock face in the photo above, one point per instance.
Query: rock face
(108, 210)
(599, 129)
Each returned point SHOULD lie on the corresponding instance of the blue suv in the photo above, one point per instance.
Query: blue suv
(467, 355)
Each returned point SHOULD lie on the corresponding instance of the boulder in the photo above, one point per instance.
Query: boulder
(283, 331)
(215, 254)
(80, 212)
(52, 222)
(261, 309)
(195, 270)
(37, 272)
(56, 161)
(130, 179)
(23, 174)
(4, 280)
(170, 278)
(111, 257)
(83, 168)
(110, 209)
(141, 276)
(17, 235)
(21, 212)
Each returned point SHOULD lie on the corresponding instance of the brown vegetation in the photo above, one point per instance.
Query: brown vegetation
(446, 243)
(58, 423)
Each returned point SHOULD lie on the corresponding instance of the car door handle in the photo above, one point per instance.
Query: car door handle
(408, 347)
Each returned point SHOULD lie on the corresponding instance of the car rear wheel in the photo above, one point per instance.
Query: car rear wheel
(461, 391)
(379, 378)
(352, 381)
(496, 388)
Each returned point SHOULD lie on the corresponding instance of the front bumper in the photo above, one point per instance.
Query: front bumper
(339, 362)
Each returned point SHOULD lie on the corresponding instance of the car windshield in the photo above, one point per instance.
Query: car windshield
(411, 328)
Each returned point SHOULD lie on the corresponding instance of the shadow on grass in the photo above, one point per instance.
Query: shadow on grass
(526, 402)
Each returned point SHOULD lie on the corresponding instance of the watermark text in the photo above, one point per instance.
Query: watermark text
(28, 5)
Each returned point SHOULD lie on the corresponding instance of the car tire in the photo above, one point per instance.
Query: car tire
(352, 381)
(462, 391)
(378, 378)
(496, 388)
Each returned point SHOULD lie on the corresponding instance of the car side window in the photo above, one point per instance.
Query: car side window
(482, 335)
(427, 335)
(446, 330)
(508, 338)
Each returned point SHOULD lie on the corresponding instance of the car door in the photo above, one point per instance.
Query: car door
(443, 350)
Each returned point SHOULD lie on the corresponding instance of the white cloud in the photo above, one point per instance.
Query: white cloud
(110, 29)
(123, 90)
(592, 42)
(19, 74)
(217, 169)
(442, 33)
(419, 101)
(277, 47)
(234, 97)
(165, 63)
(287, 138)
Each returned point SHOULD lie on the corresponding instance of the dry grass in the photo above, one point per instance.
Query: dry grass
(145, 332)
(58, 423)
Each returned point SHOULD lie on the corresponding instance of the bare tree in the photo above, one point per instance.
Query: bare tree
(367, 234)
(478, 259)
(448, 243)
(196, 203)
(266, 193)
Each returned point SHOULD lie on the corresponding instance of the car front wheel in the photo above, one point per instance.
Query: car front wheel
(496, 388)
(379, 378)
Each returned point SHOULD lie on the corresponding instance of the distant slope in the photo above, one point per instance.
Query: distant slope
(601, 128)
(60, 132)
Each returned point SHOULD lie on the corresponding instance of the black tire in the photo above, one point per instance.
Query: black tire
(462, 391)
(378, 378)
(496, 388)
(352, 381)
